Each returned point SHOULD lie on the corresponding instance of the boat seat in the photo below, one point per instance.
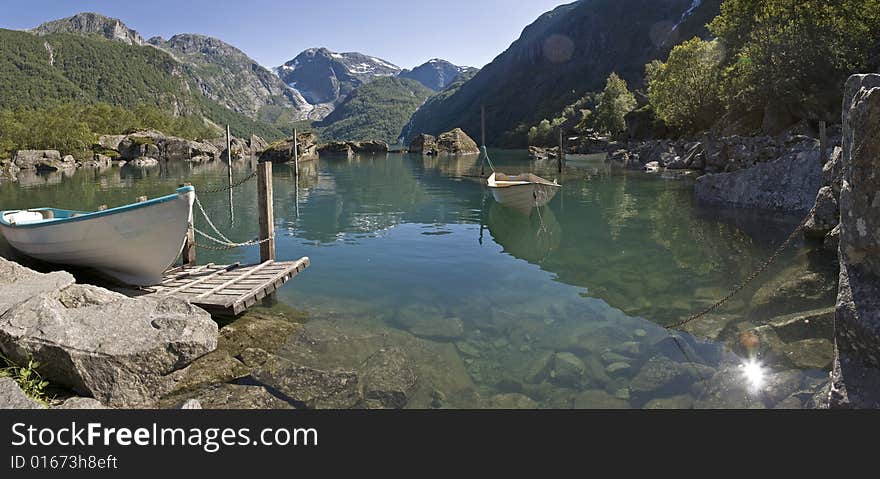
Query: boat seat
(24, 217)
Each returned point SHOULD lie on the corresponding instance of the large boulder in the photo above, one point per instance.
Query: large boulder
(856, 373)
(119, 350)
(424, 144)
(305, 386)
(140, 144)
(179, 149)
(824, 216)
(43, 160)
(457, 142)
(789, 183)
(282, 151)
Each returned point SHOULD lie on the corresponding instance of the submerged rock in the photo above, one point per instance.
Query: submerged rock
(598, 399)
(443, 329)
(313, 388)
(388, 378)
(231, 396)
(511, 401)
(568, 369)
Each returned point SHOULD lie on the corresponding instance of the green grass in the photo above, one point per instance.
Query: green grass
(27, 377)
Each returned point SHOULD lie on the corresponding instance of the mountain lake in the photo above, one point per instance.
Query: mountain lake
(563, 308)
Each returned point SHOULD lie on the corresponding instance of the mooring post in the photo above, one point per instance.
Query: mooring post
(483, 138)
(295, 153)
(823, 142)
(188, 254)
(228, 156)
(266, 213)
(561, 151)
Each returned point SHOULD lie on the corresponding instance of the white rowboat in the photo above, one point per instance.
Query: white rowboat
(522, 192)
(134, 243)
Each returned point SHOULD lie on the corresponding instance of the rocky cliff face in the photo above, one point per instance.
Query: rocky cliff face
(856, 375)
(437, 74)
(564, 54)
(94, 24)
(228, 76)
(325, 77)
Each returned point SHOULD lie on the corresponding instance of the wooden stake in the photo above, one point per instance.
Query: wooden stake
(189, 246)
(265, 201)
(295, 153)
(228, 155)
(483, 138)
(823, 142)
(561, 152)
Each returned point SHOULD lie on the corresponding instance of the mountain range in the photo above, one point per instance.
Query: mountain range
(564, 54)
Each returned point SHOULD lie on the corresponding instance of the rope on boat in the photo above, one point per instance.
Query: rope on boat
(485, 154)
(763, 267)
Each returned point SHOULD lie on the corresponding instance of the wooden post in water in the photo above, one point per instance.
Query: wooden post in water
(188, 254)
(228, 156)
(264, 207)
(823, 142)
(561, 158)
(295, 153)
(483, 137)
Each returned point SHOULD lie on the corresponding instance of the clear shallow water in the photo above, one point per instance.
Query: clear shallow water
(412, 244)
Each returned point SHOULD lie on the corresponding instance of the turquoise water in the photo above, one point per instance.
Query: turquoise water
(402, 240)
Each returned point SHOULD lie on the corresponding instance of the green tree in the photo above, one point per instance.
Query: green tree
(793, 56)
(615, 102)
(684, 91)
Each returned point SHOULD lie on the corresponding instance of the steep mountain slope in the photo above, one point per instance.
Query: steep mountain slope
(375, 111)
(325, 77)
(436, 74)
(228, 76)
(88, 23)
(37, 71)
(564, 54)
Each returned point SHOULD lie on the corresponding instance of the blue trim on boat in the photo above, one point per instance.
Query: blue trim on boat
(67, 215)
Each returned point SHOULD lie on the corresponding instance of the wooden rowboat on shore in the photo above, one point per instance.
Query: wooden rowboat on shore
(134, 243)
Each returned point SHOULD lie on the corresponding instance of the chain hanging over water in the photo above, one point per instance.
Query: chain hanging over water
(763, 267)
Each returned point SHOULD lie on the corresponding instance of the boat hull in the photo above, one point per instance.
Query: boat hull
(524, 197)
(134, 245)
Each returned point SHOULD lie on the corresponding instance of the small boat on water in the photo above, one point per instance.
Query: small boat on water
(522, 192)
(134, 243)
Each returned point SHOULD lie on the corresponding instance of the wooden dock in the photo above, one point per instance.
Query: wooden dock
(227, 290)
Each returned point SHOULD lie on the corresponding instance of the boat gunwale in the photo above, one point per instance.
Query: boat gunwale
(93, 214)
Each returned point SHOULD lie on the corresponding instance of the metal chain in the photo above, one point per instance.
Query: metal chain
(229, 187)
(763, 267)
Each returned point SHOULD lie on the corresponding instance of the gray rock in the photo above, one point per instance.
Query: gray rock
(119, 351)
(860, 193)
(728, 388)
(658, 374)
(568, 369)
(313, 388)
(832, 172)
(511, 401)
(143, 162)
(620, 367)
(18, 284)
(815, 353)
(388, 378)
(231, 396)
(682, 401)
(81, 403)
(191, 404)
(539, 369)
(652, 167)
(788, 184)
(824, 216)
(110, 142)
(12, 397)
(598, 399)
(812, 287)
(443, 329)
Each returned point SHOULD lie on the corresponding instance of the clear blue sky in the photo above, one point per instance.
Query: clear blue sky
(407, 33)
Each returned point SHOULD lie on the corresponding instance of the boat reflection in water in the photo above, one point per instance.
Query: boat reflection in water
(529, 237)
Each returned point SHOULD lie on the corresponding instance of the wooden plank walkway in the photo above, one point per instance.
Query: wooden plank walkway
(227, 290)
